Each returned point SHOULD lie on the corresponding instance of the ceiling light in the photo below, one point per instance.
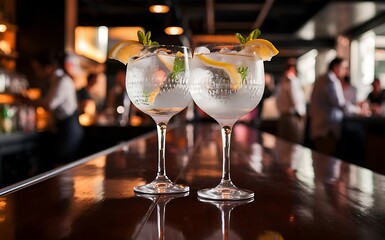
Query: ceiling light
(159, 6)
(3, 27)
(173, 26)
(173, 30)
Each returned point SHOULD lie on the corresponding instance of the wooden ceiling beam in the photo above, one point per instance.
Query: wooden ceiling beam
(238, 6)
(210, 16)
(263, 14)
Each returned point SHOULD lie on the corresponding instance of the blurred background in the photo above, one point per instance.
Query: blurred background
(312, 32)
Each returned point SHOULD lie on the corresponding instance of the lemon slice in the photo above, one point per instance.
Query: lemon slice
(153, 94)
(125, 50)
(168, 61)
(179, 54)
(235, 77)
(262, 48)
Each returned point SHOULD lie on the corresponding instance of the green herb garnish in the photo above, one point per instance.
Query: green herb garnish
(145, 38)
(242, 70)
(253, 35)
(144, 100)
(179, 66)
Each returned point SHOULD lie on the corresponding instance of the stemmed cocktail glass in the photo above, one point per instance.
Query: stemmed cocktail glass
(226, 82)
(156, 83)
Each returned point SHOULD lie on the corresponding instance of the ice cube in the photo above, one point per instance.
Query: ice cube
(162, 51)
(143, 53)
(202, 50)
(224, 50)
(167, 61)
(249, 51)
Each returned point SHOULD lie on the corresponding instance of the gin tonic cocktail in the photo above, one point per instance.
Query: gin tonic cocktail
(156, 83)
(226, 82)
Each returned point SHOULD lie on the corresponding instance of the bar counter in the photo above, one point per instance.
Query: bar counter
(299, 193)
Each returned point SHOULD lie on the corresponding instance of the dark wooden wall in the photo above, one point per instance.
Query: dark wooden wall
(40, 26)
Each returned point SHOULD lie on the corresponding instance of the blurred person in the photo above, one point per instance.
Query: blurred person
(84, 93)
(376, 97)
(327, 104)
(350, 94)
(350, 91)
(328, 107)
(291, 104)
(117, 102)
(87, 104)
(60, 99)
(117, 92)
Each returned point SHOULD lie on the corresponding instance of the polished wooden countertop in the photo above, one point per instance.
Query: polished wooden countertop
(299, 194)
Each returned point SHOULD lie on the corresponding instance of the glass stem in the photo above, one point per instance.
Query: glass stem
(161, 215)
(226, 137)
(161, 129)
(225, 216)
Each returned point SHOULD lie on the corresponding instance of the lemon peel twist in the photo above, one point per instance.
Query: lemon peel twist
(258, 46)
(235, 77)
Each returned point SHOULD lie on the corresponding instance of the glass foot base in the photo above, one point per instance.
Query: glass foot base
(225, 191)
(161, 186)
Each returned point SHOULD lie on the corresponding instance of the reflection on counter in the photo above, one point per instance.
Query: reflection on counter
(299, 194)
(162, 229)
(225, 208)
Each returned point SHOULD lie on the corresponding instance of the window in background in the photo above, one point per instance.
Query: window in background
(92, 42)
(362, 63)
